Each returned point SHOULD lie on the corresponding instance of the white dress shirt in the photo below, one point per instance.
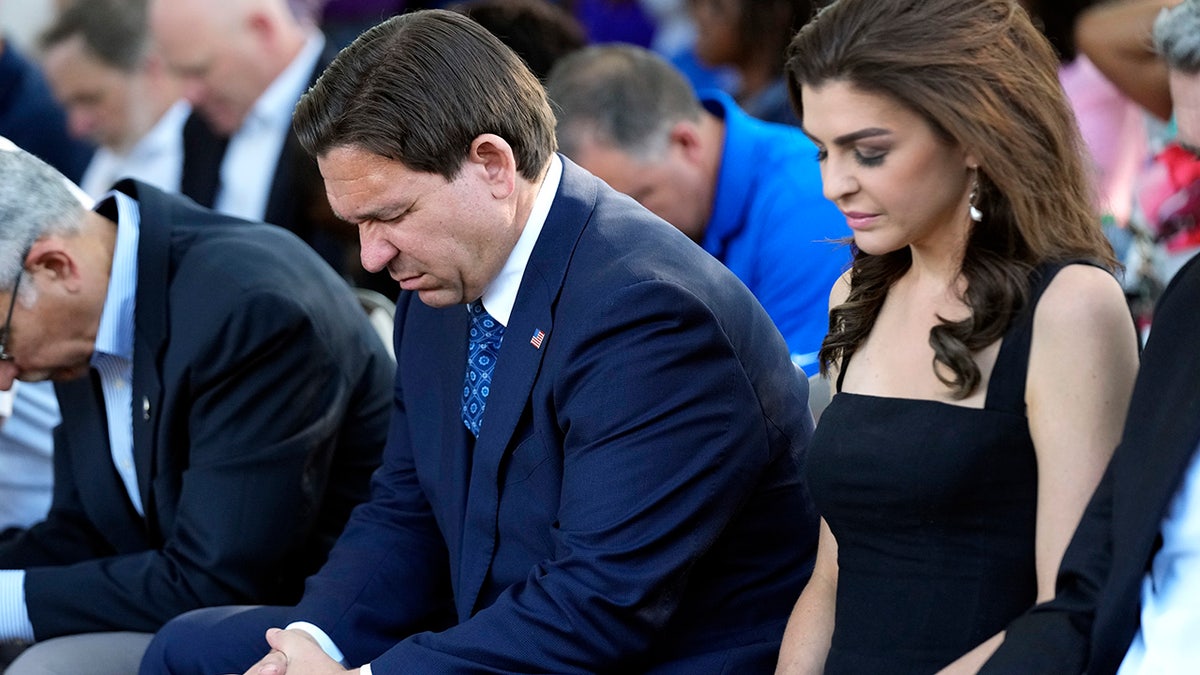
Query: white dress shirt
(248, 168)
(1168, 639)
(498, 298)
(156, 159)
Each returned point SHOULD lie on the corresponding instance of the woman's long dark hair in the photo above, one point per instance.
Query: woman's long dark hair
(984, 78)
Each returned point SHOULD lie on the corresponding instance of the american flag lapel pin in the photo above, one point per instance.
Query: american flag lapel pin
(538, 336)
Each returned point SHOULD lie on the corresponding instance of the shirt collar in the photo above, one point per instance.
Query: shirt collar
(277, 103)
(115, 334)
(501, 294)
(734, 181)
(165, 134)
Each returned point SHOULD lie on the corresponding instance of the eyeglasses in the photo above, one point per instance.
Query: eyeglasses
(4, 355)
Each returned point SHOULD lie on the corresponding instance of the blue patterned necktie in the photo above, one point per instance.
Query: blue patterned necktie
(483, 348)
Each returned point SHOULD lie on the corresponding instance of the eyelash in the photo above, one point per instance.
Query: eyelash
(869, 162)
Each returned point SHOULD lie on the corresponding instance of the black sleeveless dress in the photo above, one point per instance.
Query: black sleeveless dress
(933, 508)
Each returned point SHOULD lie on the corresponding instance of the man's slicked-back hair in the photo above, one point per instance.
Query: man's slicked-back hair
(622, 95)
(1177, 36)
(419, 88)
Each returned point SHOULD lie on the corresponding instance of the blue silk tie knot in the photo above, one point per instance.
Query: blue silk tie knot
(483, 347)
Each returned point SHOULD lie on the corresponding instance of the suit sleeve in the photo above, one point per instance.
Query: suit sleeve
(662, 438)
(65, 535)
(252, 429)
(388, 575)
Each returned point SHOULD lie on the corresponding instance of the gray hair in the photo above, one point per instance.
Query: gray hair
(1177, 36)
(624, 95)
(35, 200)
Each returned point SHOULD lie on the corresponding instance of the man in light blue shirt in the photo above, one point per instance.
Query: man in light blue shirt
(747, 191)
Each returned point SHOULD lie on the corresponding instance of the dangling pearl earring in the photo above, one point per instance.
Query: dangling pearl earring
(976, 214)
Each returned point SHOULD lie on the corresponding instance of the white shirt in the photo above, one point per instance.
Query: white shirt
(501, 294)
(248, 167)
(1168, 639)
(113, 358)
(498, 298)
(156, 159)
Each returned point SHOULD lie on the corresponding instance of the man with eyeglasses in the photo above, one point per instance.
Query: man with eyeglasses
(224, 401)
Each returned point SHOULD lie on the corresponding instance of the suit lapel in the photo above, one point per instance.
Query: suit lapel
(104, 497)
(202, 154)
(517, 369)
(297, 179)
(150, 336)
(1164, 421)
(1166, 437)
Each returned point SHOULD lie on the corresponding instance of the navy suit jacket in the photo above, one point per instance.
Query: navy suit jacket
(1091, 622)
(260, 406)
(633, 501)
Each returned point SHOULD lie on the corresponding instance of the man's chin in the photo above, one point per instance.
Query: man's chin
(440, 297)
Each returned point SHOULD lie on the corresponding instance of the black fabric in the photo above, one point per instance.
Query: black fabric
(933, 507)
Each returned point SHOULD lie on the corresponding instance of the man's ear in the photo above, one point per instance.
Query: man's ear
(494, 157)
(261, 26)
(51, 259)
(685, 136)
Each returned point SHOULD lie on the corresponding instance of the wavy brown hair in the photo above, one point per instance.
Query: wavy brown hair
(984, 78)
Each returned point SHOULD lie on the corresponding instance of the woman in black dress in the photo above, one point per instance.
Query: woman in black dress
(981, 347)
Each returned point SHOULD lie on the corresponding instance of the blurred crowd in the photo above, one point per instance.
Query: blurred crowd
(753, 130)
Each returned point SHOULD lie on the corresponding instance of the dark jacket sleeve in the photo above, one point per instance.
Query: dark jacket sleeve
(243, 450)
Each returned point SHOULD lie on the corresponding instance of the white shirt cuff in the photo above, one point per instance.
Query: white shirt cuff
(14, 615)
(322, 639)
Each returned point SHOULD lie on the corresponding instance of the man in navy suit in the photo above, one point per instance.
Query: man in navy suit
(224, 402)
(1126, 600)
(630, 498)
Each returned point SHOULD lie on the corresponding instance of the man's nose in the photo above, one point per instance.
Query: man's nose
(375, 252)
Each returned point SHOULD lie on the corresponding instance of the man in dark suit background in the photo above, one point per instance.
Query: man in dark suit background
(244, 64)
(1129, 583)
(224, 401)
(594, 458)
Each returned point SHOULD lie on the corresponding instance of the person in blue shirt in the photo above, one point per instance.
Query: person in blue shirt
(746, 190)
